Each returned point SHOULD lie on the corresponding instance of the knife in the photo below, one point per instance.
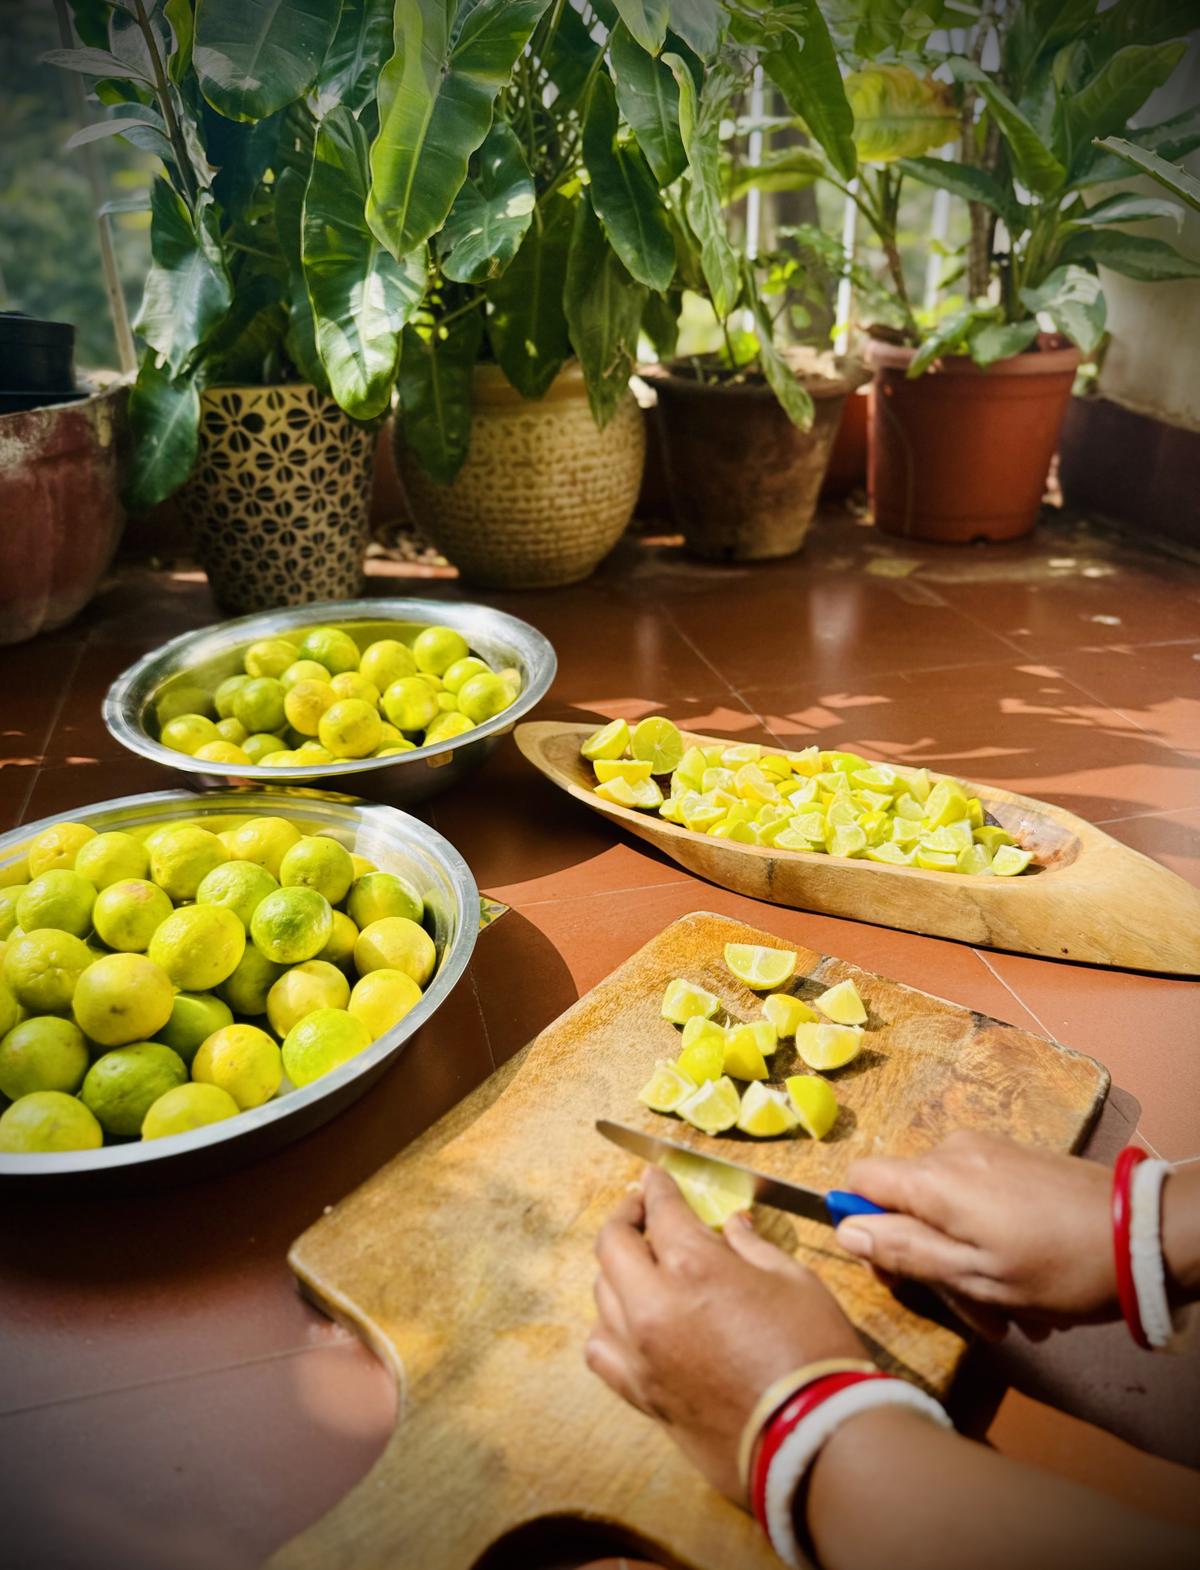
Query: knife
(830, 1207)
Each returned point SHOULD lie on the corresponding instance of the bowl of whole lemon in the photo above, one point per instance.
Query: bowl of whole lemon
(382, 696)
(187, 982)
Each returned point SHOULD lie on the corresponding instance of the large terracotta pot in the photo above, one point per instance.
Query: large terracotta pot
(544, 494)
(847, 469)
(279, 500)
(962, 453)
(744, 480)
(60, 512)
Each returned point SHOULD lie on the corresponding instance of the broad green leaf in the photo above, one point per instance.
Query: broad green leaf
(249, 335)
(164, 420)
(647, 20)
(1134, 255)
(1170, 176)
(950, 334)
(241, 153)
(700, 121)
(1074, 301)
(1144, 22)
(301, 338)
(435, 108)
(1126, 207)
(992, 341)
(94, 62)
(802, 64)
(871, 28)
(1036, 166)
(128, 42)
(1121, 86)
(253, 57)
(624, 193)
(361, 296)
(491, 213)
(794, 398)
(106, 128)
(1171, 140)
(434, 394)
(356, 56)
(90, 18)
(570, 60)
(1039, 27)
(898, 114)
(963, 180)
(603, 306)
(790, 169)
(527, 328)
(698, 23)
(187, 287)
(660, 322)
(183, 24)
(649, 99)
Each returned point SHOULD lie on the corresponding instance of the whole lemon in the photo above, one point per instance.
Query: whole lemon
(265, 841)
(395, 943)
(122, 998)
(221, 752)
(48, 1120)
(186, 1107)
(340, 948)
(462, 671)
(243, 1061)
(446, 727)
(332, 648)
(240, 886)
(122, 1086)
(292, 925)
(306, 703)
(321, 863)
(437, 648)
(186, 698)
(111, 858)
(382, 999)
(198, 946)
(43, 1053)
(353, 684)
(8, 907)
(321, 1042)
(232, 731)
(259, 747)
(42, 969)
(379, 894)
(226, 693)
(58, 899)
(350, 728)
(410, 703)
(314, 985)
(194, 1017)
(180, 860)
(269, 657)
(56, 848)
(259, 704)
(247, 989)
(188, 733)
(11, 1012)
(126, 915)
(481, 698)
(312, 752)
(304, 670)
(385, 661)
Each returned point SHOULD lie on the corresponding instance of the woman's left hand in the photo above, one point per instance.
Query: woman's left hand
(693, 1326)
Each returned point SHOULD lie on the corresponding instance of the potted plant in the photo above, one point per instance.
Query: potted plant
(265, 285)
(966, 414)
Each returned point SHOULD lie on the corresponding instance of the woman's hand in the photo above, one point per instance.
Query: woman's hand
(693, 1327)
(1023, 1232)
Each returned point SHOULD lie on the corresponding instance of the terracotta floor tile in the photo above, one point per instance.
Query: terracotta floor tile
(83, 784)
(1170, 837)
(265, 1449)
(32, 701)
(80, 735)
(1156, 686)
(141, 605)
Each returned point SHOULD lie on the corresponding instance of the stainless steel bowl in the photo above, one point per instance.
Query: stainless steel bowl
(207, 657)
(392, 839)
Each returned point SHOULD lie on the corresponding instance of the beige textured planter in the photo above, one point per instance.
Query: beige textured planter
(279, 500)
(543, 496)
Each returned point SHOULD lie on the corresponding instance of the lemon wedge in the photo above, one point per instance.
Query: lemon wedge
(759, 967)
(713, 1193)
(974, 861)
(703, 1060)
(714, 1107)
(666, 1088)
(1008, 861)
(657, 742)
(631, 770)
(991, 836)
(683, 1000)
(828, 1047)
(743, 1059)
(842, 1004)
(765, 1113)
(701, 1025)
(631, 793)
(814, 1103)
(610, 742)
(786, 1012)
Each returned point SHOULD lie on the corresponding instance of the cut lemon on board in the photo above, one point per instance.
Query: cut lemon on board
(631, 793)
(765, 1113)
(683, 1000)
(714, 1107)
(703, 1060)
(631, 770)
(842, 1004)
(828, 1047)
(759, 967)
(713, 1193)
(700, 1025)
(786, 1012)
(1008, 861)
(609, 742)
(743, 1059)
(665, 1088)
(657, 742)
(814, 1103)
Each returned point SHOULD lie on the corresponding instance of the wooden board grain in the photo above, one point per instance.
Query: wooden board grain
(1091, 898)
(467, 1261)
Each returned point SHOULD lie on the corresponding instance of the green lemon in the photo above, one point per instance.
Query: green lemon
(340, 948)
(56, 849)
(243, 1061)
(292, 925)
(188, 733)
(240, 886)
(180, 861)
(187, 698)
(304, 670)
(314, 985)
(481, 698)
(48, 1120)
(385, 661)
(462, 670)
(379, 894)
(259, 704)
(59, 899)
(445, 728)
(8, 907)
(350, 728)
(353, 684)
(306, 703)
(42, 969)
(194, 1018)
(122, 998)
(246, 990)
(332, 648)
(396, 943)
(232, 731)
(43, 1053)
(185, 1108)
(410, 703)
(437, 648)
(265, 841)
(382, 999)
(11, 1012)
(127, 915)
(122, 1086)
(110, 858)
(226, 693)
(321, 863)
(269, 657)
(258, 748)
(321, 1042)
(312, 752)
(199, 946)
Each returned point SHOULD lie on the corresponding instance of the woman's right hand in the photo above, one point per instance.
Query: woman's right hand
(1024, 1233)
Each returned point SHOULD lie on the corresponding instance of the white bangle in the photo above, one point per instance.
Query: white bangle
(800, 1449)
(1146, 1252)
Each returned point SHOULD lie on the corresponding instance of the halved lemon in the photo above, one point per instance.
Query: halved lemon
(842, 1004)
(828, 1047)
(759, 967)
(631, 770)
(786, 1012)
(714, 1107)
(814, 1103)
(666, 1088)
(657, 742)
(765, 1113)
(683, 1000)
(974, 861)
(609, 742)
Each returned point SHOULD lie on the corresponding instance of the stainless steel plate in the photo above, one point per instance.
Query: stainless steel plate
(392, 839)
(208, 656)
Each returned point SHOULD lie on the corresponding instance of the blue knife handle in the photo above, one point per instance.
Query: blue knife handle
(841, 1204)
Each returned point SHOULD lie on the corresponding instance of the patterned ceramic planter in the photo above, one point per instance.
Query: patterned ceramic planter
(543, 496)
(279, 500)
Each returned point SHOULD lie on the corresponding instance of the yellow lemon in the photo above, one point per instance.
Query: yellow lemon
(221, 752)
(314, 985)
(382, 999)
(378, 894)
(260, 704)
(703, 1060)
(269, 657)
(481, 698)
(42, 969)
(713, 1108)
(240, 886)
(350, 728)
(786, 1012)
(700, 1026)
(11, 1012)
(243, 1061)
(713, 1193)
(305, 704)
(304, 670)
(111, 858)
(765, 1113)
(186, 1107)
(410, 704)
(232, 731)
(611, 741)
(743, 1060)
(666, 1089)
(43, 1053)
(312, 752)
(353, 684)
(48, 1120)
(684, 999)
(340, 948)
(396, 943)
(292, 925)
(454, 676)
(122, 998)
(842, 1004)
(827, 1047)
(318, 862)
(658, 742)
(8, 907)
(126, 915)
(814, 1102)
(435, 649)
(180, 860)
(194, 1018)
(122, 1086)
(759, 967)
(247, 989)
(259, 747)
(385, 661)
(265, 841)
(59, 899)
(188, 733)
(322, 1042)
(332, 648)
(199, 946)
(57, 848)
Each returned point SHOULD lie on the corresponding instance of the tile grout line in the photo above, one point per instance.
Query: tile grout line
(1033, 1014)
(48, 735)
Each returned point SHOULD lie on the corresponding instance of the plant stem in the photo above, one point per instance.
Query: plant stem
(162, 92)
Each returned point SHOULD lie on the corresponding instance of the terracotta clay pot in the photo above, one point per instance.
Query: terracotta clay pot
(544, 494)
(744, 480)
(848, 462)
(60, 512)
(962, 453)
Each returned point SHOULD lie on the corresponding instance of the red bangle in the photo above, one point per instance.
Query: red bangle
(1129, 1158)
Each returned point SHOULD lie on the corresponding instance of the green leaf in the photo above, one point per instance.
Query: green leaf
(187, 287)
(660, 322)
(106, 128)
(604, 313)
(1144, 22)
(183, 24)
(356, 56)
(992, 341)
(794, 398)
(802, 64)
(790, 169)
(647, 20)
(1170, 176)
(250, 333)
(1036, 166)
(94, 62)
(527, 328)
(434, 388)
(698, 23)
(624, 193)
(361, 296)
(649, 99)
(253, 57)
(301, 338)
(950, 334)
(435, 108)
(1172, 139)
(164, 419)
(963, 180)
(1121, 86)
(898, 114)
(1126, 207)
(492, 212)
(1074, 301)
(1134, 255)
(700, 121)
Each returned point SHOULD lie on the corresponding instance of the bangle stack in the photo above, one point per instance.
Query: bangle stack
(792, 1421)
(1137, 1247)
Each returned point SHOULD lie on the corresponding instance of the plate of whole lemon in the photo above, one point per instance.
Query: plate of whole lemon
(188, 968)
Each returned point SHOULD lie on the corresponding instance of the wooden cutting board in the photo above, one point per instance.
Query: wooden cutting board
(467, 1261)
